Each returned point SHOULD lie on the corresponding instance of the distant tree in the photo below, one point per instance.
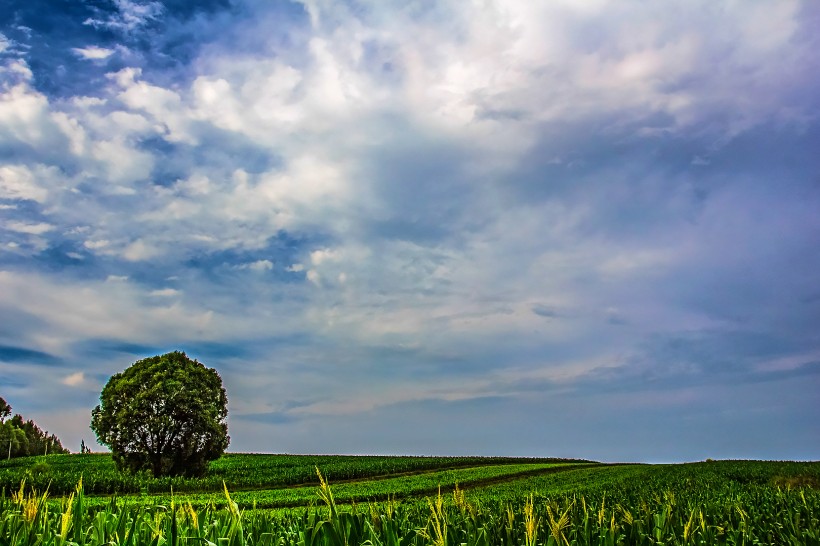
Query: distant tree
(5, 410)
(165, 414)
(20, 438)
(14, 441)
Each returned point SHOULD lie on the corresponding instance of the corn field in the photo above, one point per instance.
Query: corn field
(683, 505)
(60, 473)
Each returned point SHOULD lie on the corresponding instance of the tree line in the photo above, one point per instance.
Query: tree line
(20, 437)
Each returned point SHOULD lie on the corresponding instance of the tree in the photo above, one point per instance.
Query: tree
(12, 439)
(165, 414)
(20, 438)
(5, 410)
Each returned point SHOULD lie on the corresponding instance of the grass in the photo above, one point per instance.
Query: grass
(527, 503)
(361, 491)
(239, 471)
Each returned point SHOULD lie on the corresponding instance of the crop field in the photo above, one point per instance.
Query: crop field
(237, 470)
(404, 501)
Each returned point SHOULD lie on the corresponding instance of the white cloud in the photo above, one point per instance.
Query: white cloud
(324, 255)
(74, 380)
(129, 16)
(165, 293)
(259, 265)
(313, 277)
(163, 105)
(121, 164)
(139, 251)
(25, 117)
(96, 245)
(111, 309)
(19, 182)
(5, 43)
(93, 53)
(17, 72)
(31, 229)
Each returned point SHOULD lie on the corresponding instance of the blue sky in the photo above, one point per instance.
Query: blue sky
(584, 229)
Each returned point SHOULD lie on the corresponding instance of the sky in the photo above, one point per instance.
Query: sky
(525, 228)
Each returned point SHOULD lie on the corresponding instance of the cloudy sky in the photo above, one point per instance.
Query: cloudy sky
(552, 228)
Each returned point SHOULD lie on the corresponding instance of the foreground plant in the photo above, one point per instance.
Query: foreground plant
(679, 505)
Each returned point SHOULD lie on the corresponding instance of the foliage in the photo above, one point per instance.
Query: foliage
(401, 487)
(165, 414)
(698, 504)
(240, 471)
(21, 438)
(5, 410)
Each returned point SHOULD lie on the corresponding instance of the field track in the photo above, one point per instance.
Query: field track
(432, 490)
(403, 486)
(465, 486)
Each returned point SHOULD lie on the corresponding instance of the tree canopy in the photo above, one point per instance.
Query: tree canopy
(21, 438)
(165, 414)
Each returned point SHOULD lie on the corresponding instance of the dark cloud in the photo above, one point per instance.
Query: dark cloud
(107, 347)
(22, 355)
(271, 418)
(545, 311)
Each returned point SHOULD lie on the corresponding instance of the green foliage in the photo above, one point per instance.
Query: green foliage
(21, 438)
(40, 468)
(698, 504)
(165, 415)
(240, 471)
(373, 490)
(5, 410)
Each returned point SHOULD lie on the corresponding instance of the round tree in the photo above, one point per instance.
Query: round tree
(165, 414)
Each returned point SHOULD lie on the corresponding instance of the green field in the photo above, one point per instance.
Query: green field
(238, 471)
(402, 501)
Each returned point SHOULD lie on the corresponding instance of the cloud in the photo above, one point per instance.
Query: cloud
(32, 229)
(258, 265)
(95, 245)
(74, 379)
(93, 53)
(474, 208)
(139, 250)
(20, 354)
(129, 15)
(545, 311)
(164, 293)
(5, 43)
(20, 182)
